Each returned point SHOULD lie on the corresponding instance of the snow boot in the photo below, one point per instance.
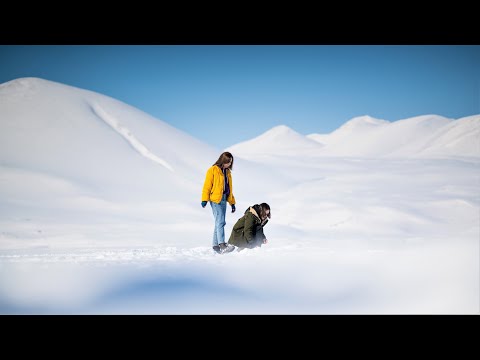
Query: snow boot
(226, 248)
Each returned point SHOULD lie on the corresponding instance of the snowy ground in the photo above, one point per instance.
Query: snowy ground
(348, 236)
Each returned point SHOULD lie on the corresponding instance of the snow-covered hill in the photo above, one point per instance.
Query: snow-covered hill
(458, 138)
(93, 140)
(279, 140)
(364, 136)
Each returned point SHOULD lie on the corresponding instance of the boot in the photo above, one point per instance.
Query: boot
(226, 248)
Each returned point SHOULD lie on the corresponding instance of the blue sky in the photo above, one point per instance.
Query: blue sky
(226, 94)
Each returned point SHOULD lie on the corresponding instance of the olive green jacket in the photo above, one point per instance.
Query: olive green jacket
(248, 230)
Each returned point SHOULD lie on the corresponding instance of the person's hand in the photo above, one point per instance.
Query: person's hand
(265, 240)
(233, 208)
(204, 203)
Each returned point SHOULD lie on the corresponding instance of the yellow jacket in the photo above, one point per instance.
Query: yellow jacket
(213, 186)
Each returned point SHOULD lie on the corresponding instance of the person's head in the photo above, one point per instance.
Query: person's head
(265, 211)
(225, 161)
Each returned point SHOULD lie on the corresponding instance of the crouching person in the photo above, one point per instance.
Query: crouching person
(248, 230)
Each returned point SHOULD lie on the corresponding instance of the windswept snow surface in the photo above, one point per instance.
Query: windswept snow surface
(132, 140)
(100, 214)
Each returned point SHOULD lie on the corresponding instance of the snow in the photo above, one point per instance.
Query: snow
(422, 136)
(100, 213)
(278, 140)
(131, 139)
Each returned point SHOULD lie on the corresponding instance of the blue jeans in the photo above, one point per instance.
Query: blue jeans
(219, 211)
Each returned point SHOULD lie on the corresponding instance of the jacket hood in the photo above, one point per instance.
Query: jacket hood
(253, 211)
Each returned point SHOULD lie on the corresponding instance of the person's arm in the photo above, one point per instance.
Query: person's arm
(233, 201)
(248, 229)
(207, 185)
(261, 235)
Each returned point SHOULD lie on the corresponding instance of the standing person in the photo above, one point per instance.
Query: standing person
(218, 189)
(248, 230)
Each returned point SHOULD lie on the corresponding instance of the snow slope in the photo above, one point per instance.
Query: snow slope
(77, 134)
(280, 140)
(364, 136)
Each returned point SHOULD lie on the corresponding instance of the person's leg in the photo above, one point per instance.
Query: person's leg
(223, 212)
(219, 211)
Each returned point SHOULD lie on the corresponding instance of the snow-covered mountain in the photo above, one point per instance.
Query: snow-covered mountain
(359, 138)
(364, 136)
(458, 138)
(279, 140)
(352, 130)
(94, 141)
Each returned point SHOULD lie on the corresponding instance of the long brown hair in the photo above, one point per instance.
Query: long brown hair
(225, 159)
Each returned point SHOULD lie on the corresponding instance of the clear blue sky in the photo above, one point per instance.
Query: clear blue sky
(226, 94)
